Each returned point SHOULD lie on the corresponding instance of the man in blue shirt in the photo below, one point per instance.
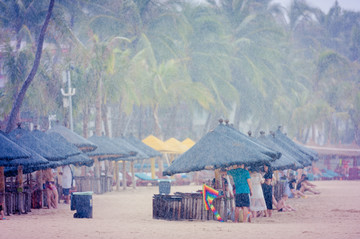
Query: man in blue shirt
(241, 178)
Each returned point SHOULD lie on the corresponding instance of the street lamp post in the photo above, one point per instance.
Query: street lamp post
(70, 93)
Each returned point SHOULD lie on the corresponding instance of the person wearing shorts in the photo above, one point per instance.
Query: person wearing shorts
(241, 178)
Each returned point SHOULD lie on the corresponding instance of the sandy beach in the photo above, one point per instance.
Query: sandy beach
(335, 213)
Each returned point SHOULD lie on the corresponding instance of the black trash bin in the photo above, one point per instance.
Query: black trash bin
(82, 203)
(164, 187)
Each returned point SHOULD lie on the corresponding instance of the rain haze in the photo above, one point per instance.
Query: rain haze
(179, 119)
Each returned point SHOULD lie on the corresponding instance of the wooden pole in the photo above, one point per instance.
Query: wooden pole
(116, 171)
(20, 189)
(152, 160)
(133, 175)
(124, 174)
(97, 175)
(2, 188)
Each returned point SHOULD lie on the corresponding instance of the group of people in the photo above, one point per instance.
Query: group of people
(254, 193)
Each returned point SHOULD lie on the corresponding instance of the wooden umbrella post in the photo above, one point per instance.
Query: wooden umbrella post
(133, 175)
(117, 175)
(20, 189)
(97, 175)
(152, 160)
(2, 189)
(124, 174)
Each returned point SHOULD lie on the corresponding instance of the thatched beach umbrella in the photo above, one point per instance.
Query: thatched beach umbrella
(251, 144)
(142, 146)
(312, 154)
(216, 150)
(24, 137)
(80, 142)
(107, 150)
(292, 150)
(286, 161)
(138, 155)
(152, 153)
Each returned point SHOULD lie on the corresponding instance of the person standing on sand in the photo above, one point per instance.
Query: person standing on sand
(241, 178)
(51, 190)
(66, 182)
(257, 201)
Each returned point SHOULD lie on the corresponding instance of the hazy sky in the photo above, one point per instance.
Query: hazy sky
(325, 5)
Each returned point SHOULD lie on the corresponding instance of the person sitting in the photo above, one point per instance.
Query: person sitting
(304, 185)
(294, 191)
(282, 206)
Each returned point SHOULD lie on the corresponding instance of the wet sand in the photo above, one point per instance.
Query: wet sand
(335, 213)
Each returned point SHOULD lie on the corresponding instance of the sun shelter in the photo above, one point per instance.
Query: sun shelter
(188, 142)
(286, 161)
(152, 153)
(160, 146)
(214, 151)
(9, 151)
(291, 149)
(176, 146)
(139, 154)
(251, 144)
(80, 142)
(311, 154)
(109, 151)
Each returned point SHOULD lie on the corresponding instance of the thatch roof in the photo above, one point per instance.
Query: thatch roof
(251, 144)
(24, 137)
(309, 153)
(142, 146)
(217, 150)
(57, 142)
(137, 153)
(292, 150)
(10, 150)
(107, 149)
(78, 160)
(286, 161)
(73, 138)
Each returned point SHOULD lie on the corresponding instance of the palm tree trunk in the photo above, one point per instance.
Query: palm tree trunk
(85, 120)
(104, 114)
(98, 120)
(19, 99)
(157, 127)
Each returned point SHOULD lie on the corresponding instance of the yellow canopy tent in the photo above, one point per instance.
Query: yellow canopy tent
(158, 145)
(176, 146)
(188, 142)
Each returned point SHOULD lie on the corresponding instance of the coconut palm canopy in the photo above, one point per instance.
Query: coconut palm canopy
(73, 138)
(142, 146)
(252, 144)
(217, 150)
(131, 148)
(286, 161)
(291, 149)
(312, 154)
(107, 149)
(23, 137)
(10, 150)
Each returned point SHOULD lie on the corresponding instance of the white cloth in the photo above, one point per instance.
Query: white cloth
(66, 177)
(257, 201)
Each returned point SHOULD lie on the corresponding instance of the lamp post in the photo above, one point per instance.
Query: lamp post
(70, 93)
